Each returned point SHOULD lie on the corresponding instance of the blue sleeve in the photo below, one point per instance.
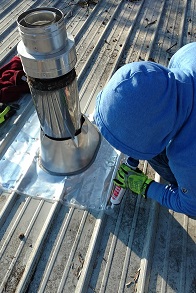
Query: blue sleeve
(184, 59)
(173, 198)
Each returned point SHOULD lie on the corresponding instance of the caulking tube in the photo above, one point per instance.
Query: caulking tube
(118, 191)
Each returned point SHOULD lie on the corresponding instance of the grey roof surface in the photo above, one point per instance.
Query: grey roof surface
(140, 246)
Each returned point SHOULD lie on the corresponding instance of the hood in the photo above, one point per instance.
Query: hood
(137, 110)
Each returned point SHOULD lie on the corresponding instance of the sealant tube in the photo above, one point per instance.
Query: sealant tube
(118, 191)
(117, 195)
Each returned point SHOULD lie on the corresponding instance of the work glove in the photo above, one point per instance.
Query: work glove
(7, 111)
(135, 180)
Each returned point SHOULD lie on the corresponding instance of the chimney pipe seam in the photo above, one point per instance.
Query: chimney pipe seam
(52, 83)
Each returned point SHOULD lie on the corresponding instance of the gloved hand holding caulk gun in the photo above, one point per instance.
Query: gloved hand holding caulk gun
(129, 177)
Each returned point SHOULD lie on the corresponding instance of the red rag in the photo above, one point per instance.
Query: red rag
(12, 86)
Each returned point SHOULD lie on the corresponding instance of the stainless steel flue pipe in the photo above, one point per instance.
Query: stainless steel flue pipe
(69, 141)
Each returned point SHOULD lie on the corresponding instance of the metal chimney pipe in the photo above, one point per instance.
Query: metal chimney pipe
(69, 141)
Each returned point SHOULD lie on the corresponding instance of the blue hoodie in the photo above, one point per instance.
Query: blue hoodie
(145, 108)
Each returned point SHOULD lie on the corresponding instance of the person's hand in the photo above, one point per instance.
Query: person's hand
(135, 180)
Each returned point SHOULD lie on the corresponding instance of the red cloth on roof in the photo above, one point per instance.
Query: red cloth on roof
(11, 84)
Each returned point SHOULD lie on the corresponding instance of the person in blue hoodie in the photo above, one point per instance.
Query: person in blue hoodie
(148, 112)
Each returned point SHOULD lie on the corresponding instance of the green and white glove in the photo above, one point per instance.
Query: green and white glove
(135, 180)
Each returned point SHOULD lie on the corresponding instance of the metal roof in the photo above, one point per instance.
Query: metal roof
(48, 246)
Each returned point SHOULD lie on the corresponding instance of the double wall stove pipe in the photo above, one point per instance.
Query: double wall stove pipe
(69, 141)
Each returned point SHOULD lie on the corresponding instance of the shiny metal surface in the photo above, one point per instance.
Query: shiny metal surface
(66, 249)
(46, 49)
(42, 30)
(48, 55)
(68, 157)
(49, 65)
(39, 18)
(58, 110)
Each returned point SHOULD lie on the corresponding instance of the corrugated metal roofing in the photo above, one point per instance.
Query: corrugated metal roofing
(138, 247)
